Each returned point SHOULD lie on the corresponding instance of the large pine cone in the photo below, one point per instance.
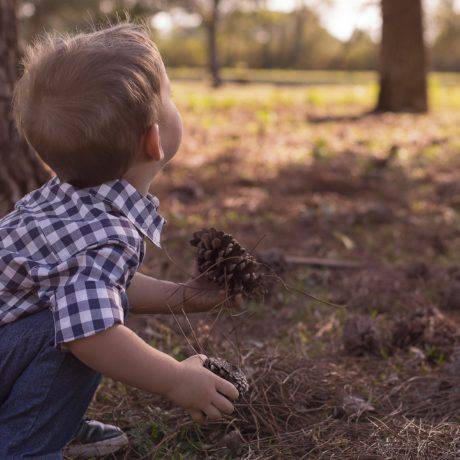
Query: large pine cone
(228, 372)
(224, 261)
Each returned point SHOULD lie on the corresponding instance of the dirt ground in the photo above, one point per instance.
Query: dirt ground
(306, 171)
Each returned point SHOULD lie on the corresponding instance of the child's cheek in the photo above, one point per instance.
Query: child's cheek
(171, 132)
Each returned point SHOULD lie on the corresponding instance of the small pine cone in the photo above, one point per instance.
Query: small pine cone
(361, 336)
(426, 327)
(228, 372)
(224, 261)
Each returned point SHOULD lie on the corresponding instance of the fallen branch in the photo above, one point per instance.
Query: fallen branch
(319, 262)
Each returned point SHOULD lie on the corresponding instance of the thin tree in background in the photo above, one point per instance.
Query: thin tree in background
(210, 14)
(211, 23)
(300, 15)
(403, 81)
(21, 170)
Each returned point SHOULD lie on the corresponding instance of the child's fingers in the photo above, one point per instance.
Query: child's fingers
(226, 388)
(223, 404)
(201, 358)
(198, 417)
(196, 359)
(212, 413)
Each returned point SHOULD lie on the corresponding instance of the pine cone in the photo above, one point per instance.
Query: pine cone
(362, 336)
(426, 327)
(228, 372)
(224, 261)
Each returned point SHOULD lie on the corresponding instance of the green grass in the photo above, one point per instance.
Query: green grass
(302, 77)
(319, 89)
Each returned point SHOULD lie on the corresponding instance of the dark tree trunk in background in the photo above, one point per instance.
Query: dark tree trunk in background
(403, 85)
(20, 169)
(211, 24)
(300, 16)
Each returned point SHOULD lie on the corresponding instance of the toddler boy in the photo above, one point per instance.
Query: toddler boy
(97, 109)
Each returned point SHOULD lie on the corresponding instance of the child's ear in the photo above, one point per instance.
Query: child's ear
(153, 143)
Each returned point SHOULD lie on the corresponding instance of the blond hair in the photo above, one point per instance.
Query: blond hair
(84, 101)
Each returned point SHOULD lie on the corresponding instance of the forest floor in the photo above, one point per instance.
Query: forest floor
(307, 171)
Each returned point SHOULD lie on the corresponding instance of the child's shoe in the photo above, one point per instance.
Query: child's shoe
(95, 439)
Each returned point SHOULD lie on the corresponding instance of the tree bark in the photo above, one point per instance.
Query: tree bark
(300, 16)
(403, 85)
(211, 29)
(21, 170)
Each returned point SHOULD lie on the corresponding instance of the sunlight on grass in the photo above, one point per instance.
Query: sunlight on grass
(319, 89)
(308, 123)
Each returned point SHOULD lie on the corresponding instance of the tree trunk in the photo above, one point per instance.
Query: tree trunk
(21, 170)
(403, 86)
(211, 29)
(300, 16)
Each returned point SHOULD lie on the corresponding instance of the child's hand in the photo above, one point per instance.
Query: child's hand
(203, 394)
(202, 295)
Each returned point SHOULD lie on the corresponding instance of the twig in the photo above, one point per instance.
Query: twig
(320, 262)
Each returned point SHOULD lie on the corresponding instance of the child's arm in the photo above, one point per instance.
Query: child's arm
(150, 295)
(120, 354)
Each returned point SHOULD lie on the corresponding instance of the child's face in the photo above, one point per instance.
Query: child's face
(170, 123)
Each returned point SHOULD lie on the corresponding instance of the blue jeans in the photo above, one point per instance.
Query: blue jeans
(44, 392)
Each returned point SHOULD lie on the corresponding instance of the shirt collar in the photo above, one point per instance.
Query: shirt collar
(119, 194)
(142, 211)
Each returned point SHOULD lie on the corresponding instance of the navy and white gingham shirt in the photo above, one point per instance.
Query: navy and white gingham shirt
(74, 251)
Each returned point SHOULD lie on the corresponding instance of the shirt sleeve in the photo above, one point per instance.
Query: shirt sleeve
(91, 293)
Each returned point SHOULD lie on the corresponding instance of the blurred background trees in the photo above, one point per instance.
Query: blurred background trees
(245, 33)
(445, 53)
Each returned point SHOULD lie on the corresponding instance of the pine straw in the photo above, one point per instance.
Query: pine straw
(291, 409)
(434, 397)
(289, 414)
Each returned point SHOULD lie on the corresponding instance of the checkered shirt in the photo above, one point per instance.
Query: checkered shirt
(74, 251)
